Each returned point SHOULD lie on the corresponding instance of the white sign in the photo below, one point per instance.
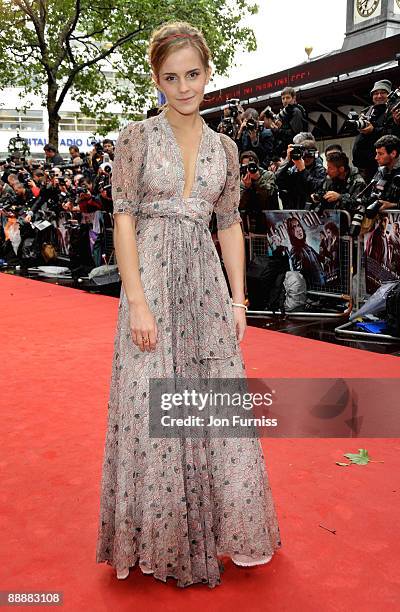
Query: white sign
(37, 140)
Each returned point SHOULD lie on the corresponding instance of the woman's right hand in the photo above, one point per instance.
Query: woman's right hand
(143, 327)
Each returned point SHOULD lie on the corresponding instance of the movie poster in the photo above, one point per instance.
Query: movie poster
(382, 251)
(311, 240)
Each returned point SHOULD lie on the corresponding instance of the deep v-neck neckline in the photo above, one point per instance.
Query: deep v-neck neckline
(180, 155)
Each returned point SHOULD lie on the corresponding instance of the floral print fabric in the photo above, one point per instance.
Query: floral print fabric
(173, 506)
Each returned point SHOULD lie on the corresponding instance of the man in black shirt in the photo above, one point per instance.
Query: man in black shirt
(380, 123)
(52, 155)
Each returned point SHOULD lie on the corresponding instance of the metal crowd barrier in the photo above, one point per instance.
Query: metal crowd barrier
(361, 295)
(340, 290)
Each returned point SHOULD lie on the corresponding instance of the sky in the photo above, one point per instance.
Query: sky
(283, 28)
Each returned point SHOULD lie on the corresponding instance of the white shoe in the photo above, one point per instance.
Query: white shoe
(245, 561)
(122, 574)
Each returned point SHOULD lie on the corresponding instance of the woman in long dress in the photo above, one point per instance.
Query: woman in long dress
(177, 506)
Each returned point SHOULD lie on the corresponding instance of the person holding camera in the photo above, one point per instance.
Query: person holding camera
(388, 174)
(291, 120)
(252, 136)
(377, 122)
(86, 201)
(301, 174)
(258, 192)
(342, 184)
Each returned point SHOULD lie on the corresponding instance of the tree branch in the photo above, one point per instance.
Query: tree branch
(39, 29)
(65, 35)
(93, 61)
(89, 35)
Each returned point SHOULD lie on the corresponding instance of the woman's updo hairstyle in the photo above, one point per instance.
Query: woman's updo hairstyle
(175, 35)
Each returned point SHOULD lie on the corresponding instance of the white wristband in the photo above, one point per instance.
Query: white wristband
(239, 305)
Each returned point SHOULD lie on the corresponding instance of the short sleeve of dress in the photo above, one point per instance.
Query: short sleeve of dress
(127, 167)
(227, 206)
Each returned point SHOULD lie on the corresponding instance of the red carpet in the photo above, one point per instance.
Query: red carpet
(56, 362)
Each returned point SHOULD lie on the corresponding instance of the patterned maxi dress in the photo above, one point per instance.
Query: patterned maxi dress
(174, 506)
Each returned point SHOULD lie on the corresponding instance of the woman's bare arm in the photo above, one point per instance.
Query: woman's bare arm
(142, 320)
(128, 258)
(233, 255)
(232, 248)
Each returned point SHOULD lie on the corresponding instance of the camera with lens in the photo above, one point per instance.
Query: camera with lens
(362, 120)
(358, 121)
(300, 152)
(393, 101)
(27, 178)
(251, 167)
(269, 113)
(356, 221)
(251, 124)
(233, 106)
(97, 144)
(9, 203)
(82, 190)
(228, 126)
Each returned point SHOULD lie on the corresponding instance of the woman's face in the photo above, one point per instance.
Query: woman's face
(182, 79)
(298, 230)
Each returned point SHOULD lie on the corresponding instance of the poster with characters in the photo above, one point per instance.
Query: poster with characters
(382, 250)
(311, 240)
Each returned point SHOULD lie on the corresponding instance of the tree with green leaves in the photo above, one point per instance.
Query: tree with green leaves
(57, 47)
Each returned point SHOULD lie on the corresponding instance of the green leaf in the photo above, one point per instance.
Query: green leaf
(360, 458)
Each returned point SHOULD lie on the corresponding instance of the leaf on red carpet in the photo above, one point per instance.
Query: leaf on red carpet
(360, 458)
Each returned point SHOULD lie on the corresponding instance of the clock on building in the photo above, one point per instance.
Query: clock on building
(366, 8)
(368, 21)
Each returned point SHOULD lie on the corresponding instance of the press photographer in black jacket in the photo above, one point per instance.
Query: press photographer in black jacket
(252, 136)
(388, 159)
(292, 120)
(379, 121)
(301, 174)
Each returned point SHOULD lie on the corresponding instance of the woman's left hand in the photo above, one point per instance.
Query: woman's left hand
(239, 315)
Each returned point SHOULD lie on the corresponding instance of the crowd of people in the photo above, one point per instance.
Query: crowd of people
(52, 202)
(281, 167)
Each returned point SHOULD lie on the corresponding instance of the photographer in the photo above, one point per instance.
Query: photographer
(85, 199)
(388, 175)
(36, 183)
(102, 186)
(342, 185)
(108, 147)
(253, 136)
(53, 158)
(377, 122)
(258, 191)
(232, 118)
(291, 120)
(301, 174)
